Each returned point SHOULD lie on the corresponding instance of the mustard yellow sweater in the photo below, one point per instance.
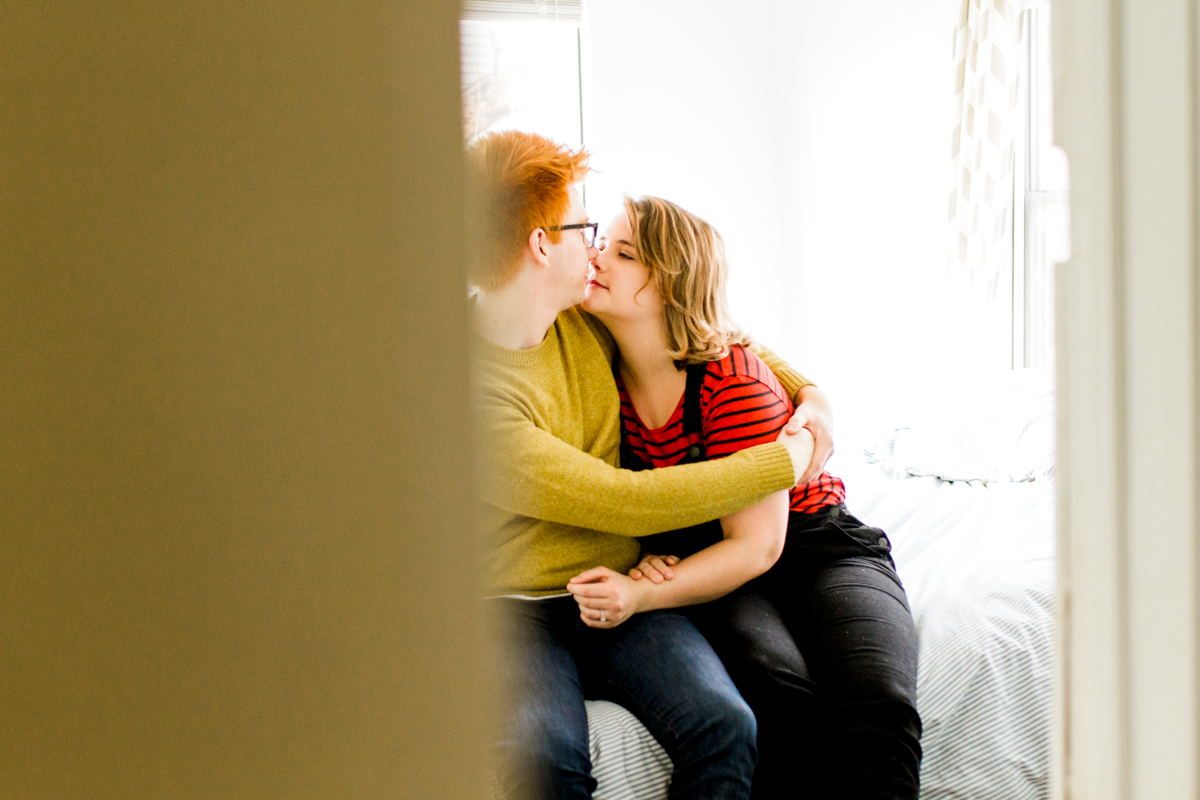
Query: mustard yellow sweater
(555, 501)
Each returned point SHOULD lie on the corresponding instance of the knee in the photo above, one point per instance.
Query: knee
(560, 752)
(728, 719)
(889, 691)
(739, 718)
(884, 707)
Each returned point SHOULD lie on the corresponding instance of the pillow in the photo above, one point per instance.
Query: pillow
(988, 428)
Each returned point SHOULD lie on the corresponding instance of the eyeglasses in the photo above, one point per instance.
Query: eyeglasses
(588, 229)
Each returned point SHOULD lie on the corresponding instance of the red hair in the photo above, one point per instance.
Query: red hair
(523, 182)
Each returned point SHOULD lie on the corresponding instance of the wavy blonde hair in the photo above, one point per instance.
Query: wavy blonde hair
(686, 259)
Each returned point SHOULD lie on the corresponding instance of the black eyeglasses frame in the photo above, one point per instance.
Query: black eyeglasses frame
(594, 227)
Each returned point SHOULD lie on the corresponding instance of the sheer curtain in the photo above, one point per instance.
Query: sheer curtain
(987, 54)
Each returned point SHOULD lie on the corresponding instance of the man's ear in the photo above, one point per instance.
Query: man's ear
(538, 240)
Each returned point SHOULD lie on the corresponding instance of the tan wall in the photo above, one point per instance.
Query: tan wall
(234, 556)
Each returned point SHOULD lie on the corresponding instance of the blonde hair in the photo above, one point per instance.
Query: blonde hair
(521, 182)
(686, 259)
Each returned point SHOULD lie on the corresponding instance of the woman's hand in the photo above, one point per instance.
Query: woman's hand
(605, 598)
(656, 568)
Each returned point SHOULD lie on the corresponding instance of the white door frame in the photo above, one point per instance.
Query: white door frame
(1126, 113)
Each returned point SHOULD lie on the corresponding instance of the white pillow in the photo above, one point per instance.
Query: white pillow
(997, 427)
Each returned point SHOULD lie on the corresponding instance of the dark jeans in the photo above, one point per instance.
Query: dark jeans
(824, 650)
(656, 664)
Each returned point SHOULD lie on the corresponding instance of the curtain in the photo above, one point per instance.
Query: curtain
(987, 54)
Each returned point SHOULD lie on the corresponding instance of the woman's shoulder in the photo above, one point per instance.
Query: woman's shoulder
(742, 403)
(740, 362)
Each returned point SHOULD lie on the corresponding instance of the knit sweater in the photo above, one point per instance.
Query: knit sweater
(555, 501)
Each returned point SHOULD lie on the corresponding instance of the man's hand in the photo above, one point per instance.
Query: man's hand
(605, 598)
(813, 412)
(800, 447)
(656, 568)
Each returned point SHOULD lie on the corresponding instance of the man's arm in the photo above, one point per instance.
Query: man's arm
(529, 471)
(814, 412)
(792, 380)
(813, 409)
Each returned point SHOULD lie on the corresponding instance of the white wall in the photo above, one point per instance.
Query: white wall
(815, 136)
(683, 107)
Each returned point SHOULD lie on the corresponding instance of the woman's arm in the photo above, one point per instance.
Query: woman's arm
(753, 540)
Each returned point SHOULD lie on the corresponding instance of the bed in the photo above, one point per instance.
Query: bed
(966, 493)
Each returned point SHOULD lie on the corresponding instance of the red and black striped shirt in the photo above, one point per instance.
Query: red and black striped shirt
(742, 404)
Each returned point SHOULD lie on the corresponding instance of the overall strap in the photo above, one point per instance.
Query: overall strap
(692, 422)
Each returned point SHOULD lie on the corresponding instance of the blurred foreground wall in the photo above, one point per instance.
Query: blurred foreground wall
(235, 560)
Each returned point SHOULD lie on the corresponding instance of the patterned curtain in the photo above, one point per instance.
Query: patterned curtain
(987, 52)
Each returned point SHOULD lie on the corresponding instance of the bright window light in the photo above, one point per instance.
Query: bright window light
(524, 75)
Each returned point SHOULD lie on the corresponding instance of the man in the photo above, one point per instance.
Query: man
(557, 504)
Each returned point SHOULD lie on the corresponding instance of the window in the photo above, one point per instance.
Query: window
(1042, 205)
(522, 68)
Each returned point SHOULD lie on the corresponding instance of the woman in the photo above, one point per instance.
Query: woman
(818, 638)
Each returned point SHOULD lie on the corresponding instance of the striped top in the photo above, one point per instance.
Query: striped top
(742, 404)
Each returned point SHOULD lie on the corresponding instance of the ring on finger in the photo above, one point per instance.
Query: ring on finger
(602, 617)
